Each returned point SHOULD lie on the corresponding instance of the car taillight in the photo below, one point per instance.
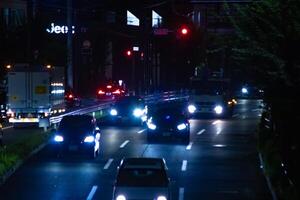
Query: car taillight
(117, 91)
(109, 86)
(101, 92)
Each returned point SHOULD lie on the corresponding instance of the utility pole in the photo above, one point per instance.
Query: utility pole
(69, 45)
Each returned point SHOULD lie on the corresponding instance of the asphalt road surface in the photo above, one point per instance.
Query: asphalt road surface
(221, 162)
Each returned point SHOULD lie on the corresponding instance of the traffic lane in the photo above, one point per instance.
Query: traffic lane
(70, 177)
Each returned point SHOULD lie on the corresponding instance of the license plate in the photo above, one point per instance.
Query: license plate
(166, 134)
(108, 94)
(73, 147)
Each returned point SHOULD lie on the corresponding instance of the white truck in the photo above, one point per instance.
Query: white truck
(211, 96)
(29, 99)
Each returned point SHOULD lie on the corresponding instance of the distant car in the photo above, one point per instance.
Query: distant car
(72, 100)
(110, 91)
(170, 121)
(142, 179)
(128, 109)
(77, 134)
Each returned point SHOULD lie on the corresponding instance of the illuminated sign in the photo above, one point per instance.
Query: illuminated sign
(132, 20)
(59, 29)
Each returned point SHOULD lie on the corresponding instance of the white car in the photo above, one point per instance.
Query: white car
(143, 179)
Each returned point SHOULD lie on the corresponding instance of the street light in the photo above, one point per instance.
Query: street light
(48, 66)
(8, 66)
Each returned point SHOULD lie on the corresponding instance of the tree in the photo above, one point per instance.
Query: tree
(268, 39)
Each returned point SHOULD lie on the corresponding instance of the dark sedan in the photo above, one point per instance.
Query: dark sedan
(77, 134)
(128, 109)
(166, 122)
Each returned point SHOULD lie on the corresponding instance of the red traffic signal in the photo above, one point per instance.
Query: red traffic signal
(128, 53)
(184, 31)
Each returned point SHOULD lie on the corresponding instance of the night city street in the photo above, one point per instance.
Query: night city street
(149, 99)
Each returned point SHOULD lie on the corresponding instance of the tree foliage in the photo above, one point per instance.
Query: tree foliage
(268, 38)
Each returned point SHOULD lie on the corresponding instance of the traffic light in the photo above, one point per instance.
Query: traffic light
(184, 30)
(128, 53)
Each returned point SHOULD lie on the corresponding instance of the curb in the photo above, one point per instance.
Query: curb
(273, 193)
(11, 171)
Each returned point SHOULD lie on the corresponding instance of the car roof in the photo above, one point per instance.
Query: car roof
(143, 163)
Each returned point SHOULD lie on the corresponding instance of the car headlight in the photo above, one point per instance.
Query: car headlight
(191, 108)
(181, 126)
(121, 197)
(138, 112)
(113, 112)
(151, 126)
(161, 198)
(58, 138)
(89, 139)
(218, 109)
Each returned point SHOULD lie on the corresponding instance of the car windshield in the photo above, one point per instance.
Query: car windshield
(76, 124)
(142, 178)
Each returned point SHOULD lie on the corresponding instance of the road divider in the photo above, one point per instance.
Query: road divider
(108, 163)
(124, 144)
(184, 165)
(92, 192)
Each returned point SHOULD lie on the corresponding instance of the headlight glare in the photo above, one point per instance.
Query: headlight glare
(138, 112)
(89, 139)
(161, 198)
(191, 108)
(181, 126)
(151, 126)
(58, 138)
(121, 197)
(113, 112)
(218, 109)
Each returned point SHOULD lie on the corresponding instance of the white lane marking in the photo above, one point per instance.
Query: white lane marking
(235, 115)
(188, 147)
(124, 144)
(218, 131)
(108, 163)
(8, 127)
(216, 122)
(184, 165)
(92, 192)
(181, 194)
(200, 132)
(139, 132)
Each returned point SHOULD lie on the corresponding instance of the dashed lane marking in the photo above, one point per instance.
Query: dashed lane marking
(92, 192)
(124, 144)
(108, 163)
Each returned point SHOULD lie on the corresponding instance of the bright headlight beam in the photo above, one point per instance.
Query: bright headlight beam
(58, 138)
(151, 126)
(161, 197)
(191, 108)
(137, 112)
(181, 126)
(89, 139)
(218, 109)
(113, 112)
(121, 197)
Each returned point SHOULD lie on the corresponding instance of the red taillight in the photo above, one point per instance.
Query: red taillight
(109, 86)
(70, 96)
(101, 92)
(117, 91)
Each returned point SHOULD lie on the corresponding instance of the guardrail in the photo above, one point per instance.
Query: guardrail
(149, 99)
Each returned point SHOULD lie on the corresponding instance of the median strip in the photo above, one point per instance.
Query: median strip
(92, 192)
(108, 163)
(124, 144)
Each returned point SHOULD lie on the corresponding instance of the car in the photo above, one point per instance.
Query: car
(143, 179)
(128, 109)
(168, 121)
(110, 92)
(72, 100)
(77, 134)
